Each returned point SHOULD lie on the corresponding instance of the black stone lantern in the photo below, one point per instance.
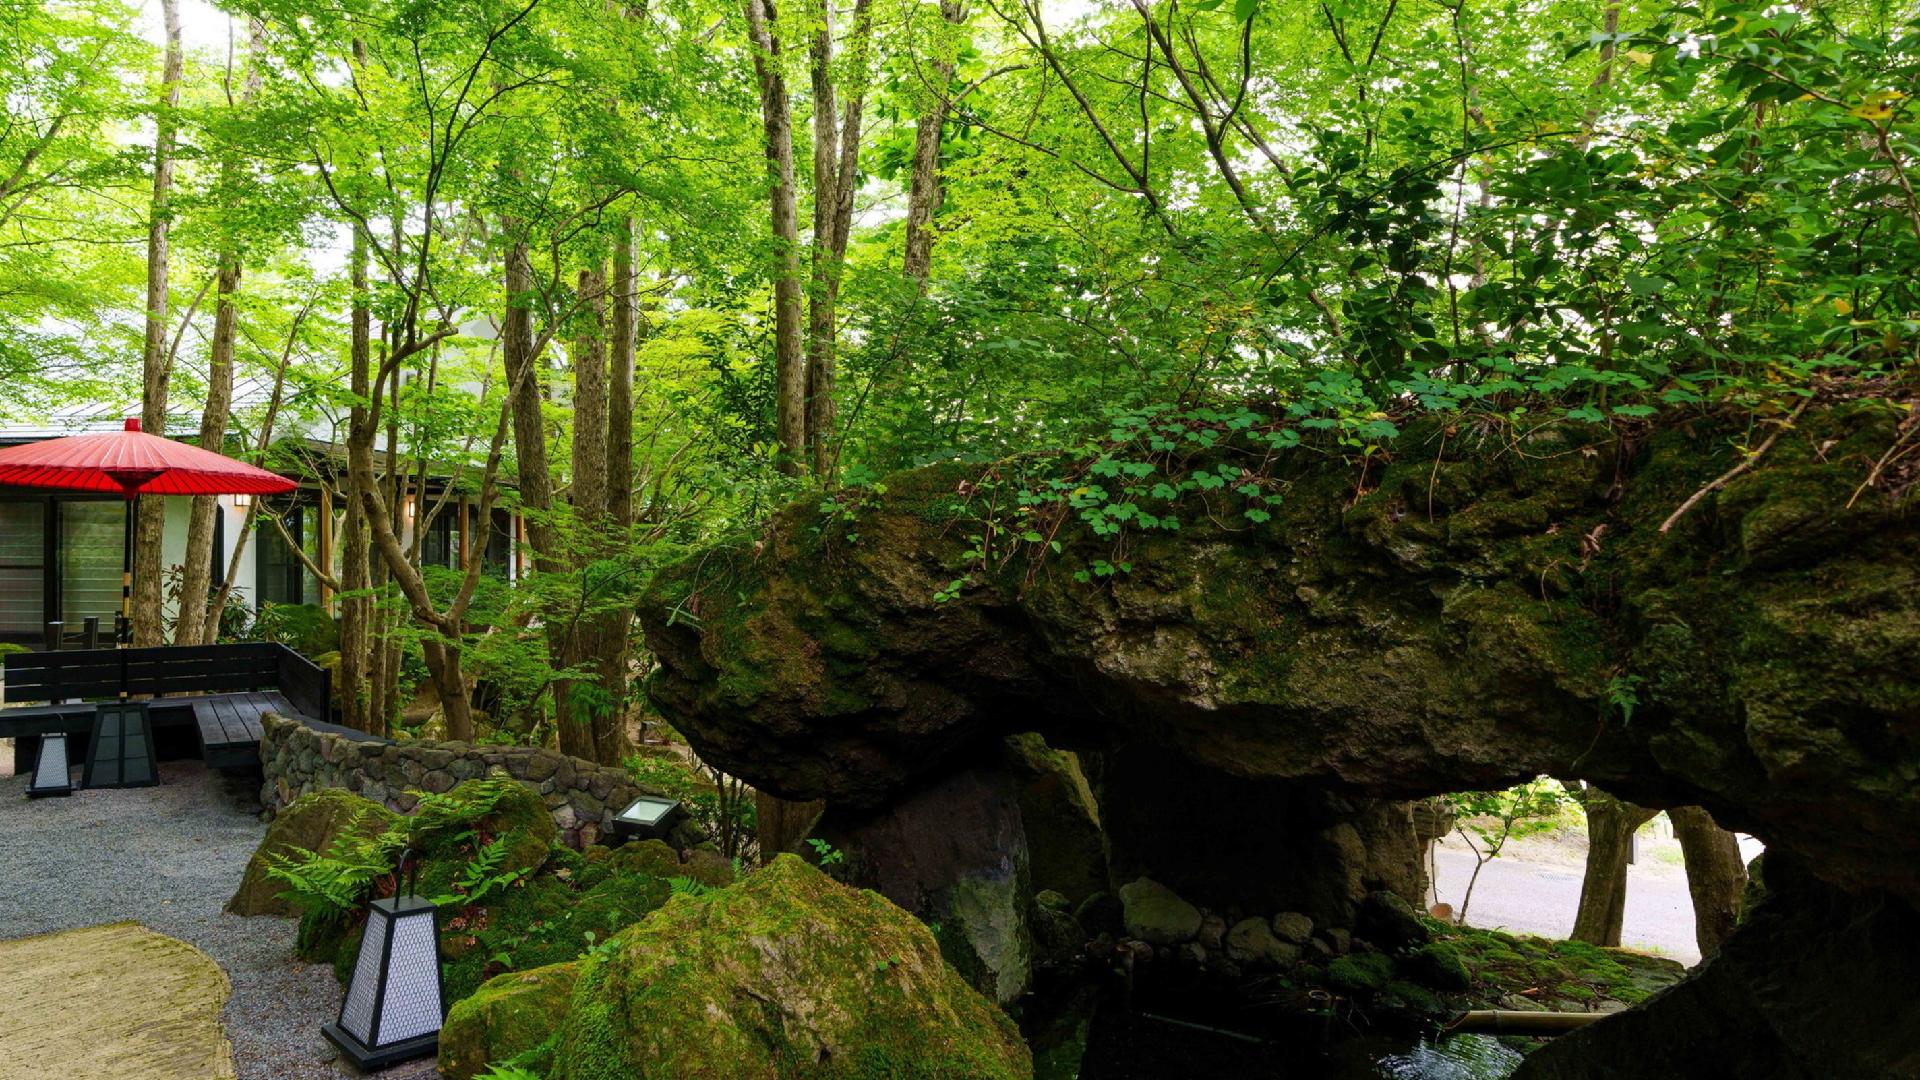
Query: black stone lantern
(649, 817)
(395, 1000)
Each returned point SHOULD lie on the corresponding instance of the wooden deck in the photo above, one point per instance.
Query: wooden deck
(221, 690)
(230, 725)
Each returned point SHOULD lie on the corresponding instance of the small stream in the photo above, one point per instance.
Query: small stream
(1194, 1036)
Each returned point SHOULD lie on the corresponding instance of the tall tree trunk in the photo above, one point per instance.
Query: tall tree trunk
(584, 720)
(528, 390)
(790, 364)
(196, 581)
(924, 194)
(196, 576)
(614, 659)
(624, 337)
(357, 662)
(1603, 892)
(210, 630)
(151, 523)
(836, 164)
(1716, 877)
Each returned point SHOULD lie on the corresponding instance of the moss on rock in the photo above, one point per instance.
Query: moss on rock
(1438, 964)
(1360, 973)
(787, 974)
(310, 823)
(512, 1018)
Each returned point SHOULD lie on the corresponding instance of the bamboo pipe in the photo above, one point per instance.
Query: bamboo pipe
(1514, 1021)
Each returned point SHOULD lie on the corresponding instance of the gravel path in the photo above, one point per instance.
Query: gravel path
(169, 857)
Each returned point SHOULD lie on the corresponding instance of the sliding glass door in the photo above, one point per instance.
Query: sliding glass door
(93, 538)
(23, 567)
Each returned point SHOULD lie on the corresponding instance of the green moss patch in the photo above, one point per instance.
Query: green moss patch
(787, 974)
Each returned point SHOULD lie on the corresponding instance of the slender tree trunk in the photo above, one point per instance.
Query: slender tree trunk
(590, 422)
(528, 390)
(1603, 893)
(586, 723)
(210, 630)
(151, 520)
(836, 164)
(357, 664)
(623, 339)
(924, 194)
(790, 363)
(197, 575)
(1715, 875)
(614, 658)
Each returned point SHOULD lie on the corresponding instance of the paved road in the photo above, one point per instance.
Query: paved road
(1540, 896)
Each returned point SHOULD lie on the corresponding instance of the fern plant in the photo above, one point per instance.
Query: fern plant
(340, 879)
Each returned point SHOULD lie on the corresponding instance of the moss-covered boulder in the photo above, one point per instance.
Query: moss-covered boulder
(310, 823)
(1360, 973)
(787, 974)
(496, 815)
(1470, 610)
(1066, 849)
(1439, 965)
(1156, 914)
(514, 1018)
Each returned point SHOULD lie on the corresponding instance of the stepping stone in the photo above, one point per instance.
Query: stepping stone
(117, 1000)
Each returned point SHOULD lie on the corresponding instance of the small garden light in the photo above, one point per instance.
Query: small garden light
(395, 1000)
(52, 773)
(649, 817)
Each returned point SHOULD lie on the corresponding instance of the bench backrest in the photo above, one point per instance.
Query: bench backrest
(169, 669)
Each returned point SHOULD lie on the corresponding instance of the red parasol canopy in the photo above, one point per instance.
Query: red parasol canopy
(131, 463)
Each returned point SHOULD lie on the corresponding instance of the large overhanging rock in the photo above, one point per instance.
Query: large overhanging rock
(1490, 605)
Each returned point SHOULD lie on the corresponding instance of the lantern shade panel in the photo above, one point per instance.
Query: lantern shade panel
(52, 768)
(395, 1000)
(120, 753)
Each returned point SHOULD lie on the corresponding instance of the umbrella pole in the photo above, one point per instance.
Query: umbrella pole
(124, 631)
(124, 635)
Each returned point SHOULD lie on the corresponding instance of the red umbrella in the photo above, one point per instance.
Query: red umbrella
(133, 463)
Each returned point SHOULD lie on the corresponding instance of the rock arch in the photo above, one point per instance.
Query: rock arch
(1487, 606)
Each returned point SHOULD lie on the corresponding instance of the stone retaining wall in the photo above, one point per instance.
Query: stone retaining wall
(582, 796)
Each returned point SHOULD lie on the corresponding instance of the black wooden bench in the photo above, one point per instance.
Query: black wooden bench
(225, 687)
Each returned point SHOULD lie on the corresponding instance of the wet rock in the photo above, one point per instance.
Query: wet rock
(1352, 642)
(1812, 984)
(954, 854)
(1213, 931)
(1153, 913)
(1251, 941)
(1293, 926)
(1058, 938)
(1066, 849)
(1387, 920)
